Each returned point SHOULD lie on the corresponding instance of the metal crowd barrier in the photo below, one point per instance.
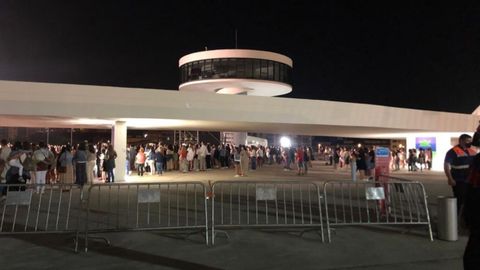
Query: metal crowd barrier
(266, 204)
(33, 208)
(386, 178)
(375, 203)
(169, 206)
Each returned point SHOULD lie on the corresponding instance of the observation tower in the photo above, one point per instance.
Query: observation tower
(237, 72)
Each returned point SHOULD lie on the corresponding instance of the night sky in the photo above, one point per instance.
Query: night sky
(418, 55)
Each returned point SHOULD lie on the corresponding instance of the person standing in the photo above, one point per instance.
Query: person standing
(222, 154)
(150, 154)
(209, 157)
(169, 158)
(253, 157)
(422, 159)
(15, 173)
(471, 211)
(109, 158)
(65, 167)
(244, 159)
(80, 161)
(91, 158)
(236, 160)
(175, 148)
(306, 160)
(99, 160)
(190, 157)
(336, 158)
(428, 158)
(457, 167)
(140, 161)
(182, 155)
(4, 153)
(371, 163)
(361, 164)
(299, 160)
(202, 157)
(42, 158)
(353, 167)
(159, 158)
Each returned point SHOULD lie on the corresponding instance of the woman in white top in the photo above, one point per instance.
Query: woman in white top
(91, 162)
(190, 155)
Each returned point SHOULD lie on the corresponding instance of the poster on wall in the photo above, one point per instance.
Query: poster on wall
(425, 143)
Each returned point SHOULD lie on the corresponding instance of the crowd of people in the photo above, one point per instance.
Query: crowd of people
(84, 162)
(25, 162)
(361, 160)
(420, 159)
(158, 158)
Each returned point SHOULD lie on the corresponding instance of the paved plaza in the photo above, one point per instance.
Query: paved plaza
(351, 247)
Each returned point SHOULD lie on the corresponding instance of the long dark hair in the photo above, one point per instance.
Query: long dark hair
(91, 148)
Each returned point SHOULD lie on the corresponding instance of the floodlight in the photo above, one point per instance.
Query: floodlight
(285, 142)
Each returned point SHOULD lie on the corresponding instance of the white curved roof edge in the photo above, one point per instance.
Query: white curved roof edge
(477, 111)
(235, 53)
(256, 87)
(43, 104)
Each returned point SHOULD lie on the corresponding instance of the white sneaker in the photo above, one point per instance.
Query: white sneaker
(237, 175)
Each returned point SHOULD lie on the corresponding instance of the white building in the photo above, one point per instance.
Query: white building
(29, 104)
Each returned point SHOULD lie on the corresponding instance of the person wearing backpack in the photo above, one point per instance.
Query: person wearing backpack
(14, 175)
(16, 165)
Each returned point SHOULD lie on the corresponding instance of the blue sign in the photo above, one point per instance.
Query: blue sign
(382, 152)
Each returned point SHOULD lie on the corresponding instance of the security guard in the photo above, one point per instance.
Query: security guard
(457, 167)
(471, 257)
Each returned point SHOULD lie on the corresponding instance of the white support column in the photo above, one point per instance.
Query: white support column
(119, 141)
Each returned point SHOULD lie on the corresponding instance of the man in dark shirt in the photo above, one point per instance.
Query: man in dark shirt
(471, 257)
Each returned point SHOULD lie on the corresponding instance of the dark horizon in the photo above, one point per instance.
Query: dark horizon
(421, 56)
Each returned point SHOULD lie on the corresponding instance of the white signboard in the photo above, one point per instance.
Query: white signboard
(148, 196)
(266, 193)
(375, 193)
(19, 197)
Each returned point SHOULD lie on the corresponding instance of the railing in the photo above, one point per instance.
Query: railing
(43, 208)
(182, 207)
(172, 206)
(266, 204)
(370, 203)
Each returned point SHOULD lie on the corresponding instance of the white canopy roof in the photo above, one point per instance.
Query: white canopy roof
(28, 104)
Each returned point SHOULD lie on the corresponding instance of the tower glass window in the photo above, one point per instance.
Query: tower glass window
(241, 68)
